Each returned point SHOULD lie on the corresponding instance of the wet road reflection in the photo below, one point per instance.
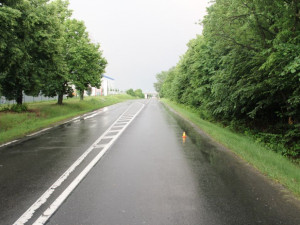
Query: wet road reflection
(31, 165)
(152, 176)
(234, 190)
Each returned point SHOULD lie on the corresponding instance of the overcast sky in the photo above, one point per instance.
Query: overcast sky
(140, 38)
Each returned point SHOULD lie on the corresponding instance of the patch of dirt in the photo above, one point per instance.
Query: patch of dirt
(8, 112)
(36, 111)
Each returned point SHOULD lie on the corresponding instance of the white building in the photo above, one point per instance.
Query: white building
(107, 87)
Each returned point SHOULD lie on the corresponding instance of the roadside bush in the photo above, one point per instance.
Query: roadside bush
(19, 108)
(4, 108)
(243, 72)
(130, 92)
(137, 93)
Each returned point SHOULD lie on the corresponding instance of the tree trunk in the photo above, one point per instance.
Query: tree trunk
(60, 99)
(19, 98)
(81, 95)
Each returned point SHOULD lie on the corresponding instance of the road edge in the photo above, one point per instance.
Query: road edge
(289, 194)
(56, 124)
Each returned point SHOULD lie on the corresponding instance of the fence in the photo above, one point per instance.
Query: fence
(27, 99)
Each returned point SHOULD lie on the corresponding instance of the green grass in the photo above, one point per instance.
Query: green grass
(44, 114)
(269, 163)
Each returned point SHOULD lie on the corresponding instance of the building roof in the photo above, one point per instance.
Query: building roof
(107, 77)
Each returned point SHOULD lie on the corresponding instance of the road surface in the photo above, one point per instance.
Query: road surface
(128, 164)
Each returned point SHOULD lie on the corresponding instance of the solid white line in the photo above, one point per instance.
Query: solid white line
(76, 119)
(29, 135)
(91, 116)
(57, 203)
(29, 213)
(8, 143)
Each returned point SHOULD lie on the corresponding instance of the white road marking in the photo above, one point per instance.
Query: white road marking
(8, 143)
(117, 129)
(109, 137)
(30, 212)
(112, 132)
(121, 123)
(91, 116)
(76, 119)
(99, 146)
(29, 135)
(57, 203)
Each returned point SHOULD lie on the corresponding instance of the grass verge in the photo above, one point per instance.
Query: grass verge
(44, 114)
(269, 163)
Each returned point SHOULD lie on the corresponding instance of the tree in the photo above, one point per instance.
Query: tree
(139, 93)
(84, 59)
(169, 89)
(80, 62)
(41, 49)
(160, 77)
(258, 47)
(57, 83)
(244, 69)
(29, 42)
(130, 92)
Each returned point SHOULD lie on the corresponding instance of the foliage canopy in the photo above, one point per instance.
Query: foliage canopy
(137, 93)
(244, 71)
(43, 50)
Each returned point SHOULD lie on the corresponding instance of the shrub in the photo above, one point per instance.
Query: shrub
(4, 108)
(19, 108)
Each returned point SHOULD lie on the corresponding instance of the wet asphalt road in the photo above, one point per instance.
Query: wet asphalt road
(148, 176)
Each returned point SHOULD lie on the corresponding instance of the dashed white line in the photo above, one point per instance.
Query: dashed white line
(99, 146)
(109, 137)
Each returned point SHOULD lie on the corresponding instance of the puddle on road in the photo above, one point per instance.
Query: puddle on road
(200, 148)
